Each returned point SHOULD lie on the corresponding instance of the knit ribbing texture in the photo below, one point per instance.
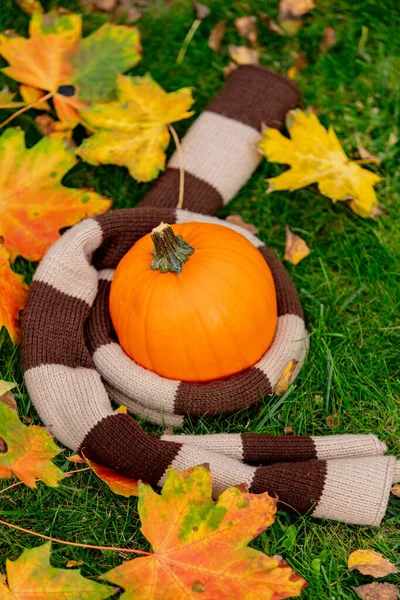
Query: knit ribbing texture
(73, 363)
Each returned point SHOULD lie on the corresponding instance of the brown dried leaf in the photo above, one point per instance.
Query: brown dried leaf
(300, 64)
(202, 11)
(57, 130)
(329, 40)
(332, 420)
(396, 490)
(216, 35)
(283, 384)
(288, 430)
(74, 563)
(229, 69)
(377, 591)
(243, 55)
(272, 25)
(366, 156)
(237, 220)
(369, 562)
(247, 26)
(290, 13)
(296, 249)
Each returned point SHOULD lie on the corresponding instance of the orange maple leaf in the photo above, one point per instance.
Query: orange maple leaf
(29, 451)
(13, 294)
(119, 484)
(200, 547)
(34, 205)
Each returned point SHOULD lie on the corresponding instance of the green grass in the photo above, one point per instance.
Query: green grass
(349, 285)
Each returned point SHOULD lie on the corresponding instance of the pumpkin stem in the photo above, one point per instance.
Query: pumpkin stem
(170, 250)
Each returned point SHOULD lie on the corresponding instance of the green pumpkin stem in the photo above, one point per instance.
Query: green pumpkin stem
(170, 250)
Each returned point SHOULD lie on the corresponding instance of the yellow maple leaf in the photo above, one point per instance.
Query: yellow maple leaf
(133, 131)
(316, 156)
(13, 294)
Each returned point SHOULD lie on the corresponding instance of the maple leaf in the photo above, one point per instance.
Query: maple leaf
(13, 294)
(34, 205)
(316, 156)
(54, 58)
(369, 562)
(119, 484)
(133, 131)
(32, 576)
(29, 451)
(200, 546)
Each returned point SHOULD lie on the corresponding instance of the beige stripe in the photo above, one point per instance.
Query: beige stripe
(229, 444)
(290, 342)
(221, 151)
(66, 265)
(138, 383)
(70, 401)
(185, 216)
(357, 490)
(225, 471)
(348, 446)
(154, 416)
(106, 274)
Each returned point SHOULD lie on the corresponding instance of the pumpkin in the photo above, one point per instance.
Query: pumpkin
(194, 302)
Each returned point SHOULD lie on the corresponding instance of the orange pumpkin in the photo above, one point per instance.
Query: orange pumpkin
(195, 303)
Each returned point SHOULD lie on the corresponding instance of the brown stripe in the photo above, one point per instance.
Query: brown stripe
(266, 449)
(299, 486)
(225, 395)
(56, 319)
(199, 196)
(286, 294)
(98, 327)
(122, 228)
(119, 442)
(255, 95)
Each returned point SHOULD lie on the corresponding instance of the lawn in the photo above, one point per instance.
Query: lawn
(349, 285)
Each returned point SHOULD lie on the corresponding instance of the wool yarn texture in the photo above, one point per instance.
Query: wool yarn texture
(73, 364)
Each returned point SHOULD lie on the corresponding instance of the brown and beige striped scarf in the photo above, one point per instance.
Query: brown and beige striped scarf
(73, 363)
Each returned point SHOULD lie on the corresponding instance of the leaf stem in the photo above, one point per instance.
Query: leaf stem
(91, 546)
(189, 36)
(181, 169)
(25, 108)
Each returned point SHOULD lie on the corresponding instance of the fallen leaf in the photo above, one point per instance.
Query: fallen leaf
(55, 59)
(7, 99)
(216, 35)
(32, 576)
(272, 25)
(396, 489)
(202, 11)
(316, 156)
(57, 130)
(29, 451)
(74, 563)
(290, 13)
(365, 155)
(229, 69)
(119, 484)
(288, 430)
(247, 26)
(122, 409)
(133, 131)
(200, 547)
(243, 55)
(328, 40)
(7, 397)
(283, 384)
(34, 97)
(237, 220)
(6, 386)
(300, 65)
(34, 205)
(377, 591)
(30, 6)
(296, 249)
(369, 562)
(333, 420)
(392, 140)
(13, 294)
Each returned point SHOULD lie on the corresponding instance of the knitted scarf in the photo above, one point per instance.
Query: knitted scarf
(73, 363)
